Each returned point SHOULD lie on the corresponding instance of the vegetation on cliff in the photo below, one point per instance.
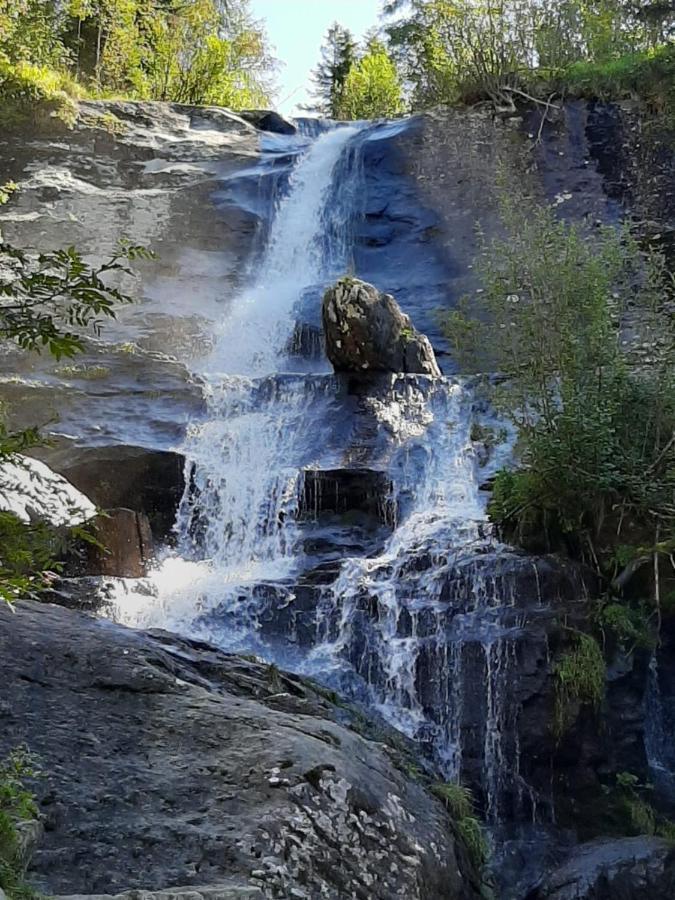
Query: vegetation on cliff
(466, 51)
(17, 809)
(50, 302)
(560, 308)
(202, 52)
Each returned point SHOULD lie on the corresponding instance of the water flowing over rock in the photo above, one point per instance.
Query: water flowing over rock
(330, 523)
(233, 774)
(366, 331)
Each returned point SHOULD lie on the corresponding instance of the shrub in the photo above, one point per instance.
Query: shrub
(32, 95)
(17, 806)
(596, 435)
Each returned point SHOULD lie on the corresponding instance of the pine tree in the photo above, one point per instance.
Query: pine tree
(338, 55)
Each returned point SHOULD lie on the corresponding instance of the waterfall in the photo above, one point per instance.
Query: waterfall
(406, 614)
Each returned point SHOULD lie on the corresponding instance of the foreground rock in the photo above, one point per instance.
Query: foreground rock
(168, 763)
(637, 868)
(367, 332)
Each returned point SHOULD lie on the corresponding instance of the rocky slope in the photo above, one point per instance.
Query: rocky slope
(167, 763)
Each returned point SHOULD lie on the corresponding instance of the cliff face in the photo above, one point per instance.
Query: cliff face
(247, 778)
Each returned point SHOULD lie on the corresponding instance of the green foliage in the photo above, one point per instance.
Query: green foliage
(27, 557)
(206, 51)
(649, 74)
(33, 94)
(53, 299)
(371, 89)
(459, 803)
(464, 50)
(595, 435)
(579, 678)
(17, 806)
(338, 53)
(629, 626)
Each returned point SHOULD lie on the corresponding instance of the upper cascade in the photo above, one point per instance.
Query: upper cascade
(366, 331)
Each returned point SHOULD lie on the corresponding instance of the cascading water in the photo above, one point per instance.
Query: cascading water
(410, 623)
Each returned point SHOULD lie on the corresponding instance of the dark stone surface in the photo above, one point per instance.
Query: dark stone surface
(639, 868)
(170, 763)
(339, 491)
(147, 481)
(268, 120)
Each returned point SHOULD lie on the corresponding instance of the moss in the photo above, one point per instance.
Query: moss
(579, 679)
(88, 373)
(649, 75)
(459, 803)
(105, 122)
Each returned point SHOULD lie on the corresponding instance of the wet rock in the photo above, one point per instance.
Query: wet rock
(368, 492)
(198, 892)
(367, 332)
(123, 548)
(268, 120)
(146, 481)
(637, 868)
(170, 763)
(34, 493)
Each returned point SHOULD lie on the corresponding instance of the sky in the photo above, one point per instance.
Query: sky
(296, 29)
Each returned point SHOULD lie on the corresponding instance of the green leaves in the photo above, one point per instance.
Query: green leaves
(596, 431)
(51, 301)
(372, 89)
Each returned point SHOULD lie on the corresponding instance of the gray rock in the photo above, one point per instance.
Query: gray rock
(636, 868)
(367, 332)
(219, 892)
(170, 763)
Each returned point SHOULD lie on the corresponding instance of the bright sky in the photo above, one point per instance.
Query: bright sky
(296, 29)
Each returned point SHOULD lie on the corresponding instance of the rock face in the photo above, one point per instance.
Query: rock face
(367, 332)
(126, 546)
(639, 868)
(146, 481)
(168, 763)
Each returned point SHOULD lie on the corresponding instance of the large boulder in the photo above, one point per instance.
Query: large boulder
(366, 331)
(124, 546)
(636, 868)
(168, 763)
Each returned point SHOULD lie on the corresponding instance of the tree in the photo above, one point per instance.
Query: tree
(338, 54)
(372, 88)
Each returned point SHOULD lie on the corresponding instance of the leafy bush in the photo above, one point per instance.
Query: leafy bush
(33, 94)
(596, 435)
(17, 806)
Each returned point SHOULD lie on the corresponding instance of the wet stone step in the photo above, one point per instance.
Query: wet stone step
(359, 494)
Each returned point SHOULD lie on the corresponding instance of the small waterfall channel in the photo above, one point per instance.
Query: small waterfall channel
(338, 529)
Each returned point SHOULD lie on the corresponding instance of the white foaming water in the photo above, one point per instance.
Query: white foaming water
(236, 522)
